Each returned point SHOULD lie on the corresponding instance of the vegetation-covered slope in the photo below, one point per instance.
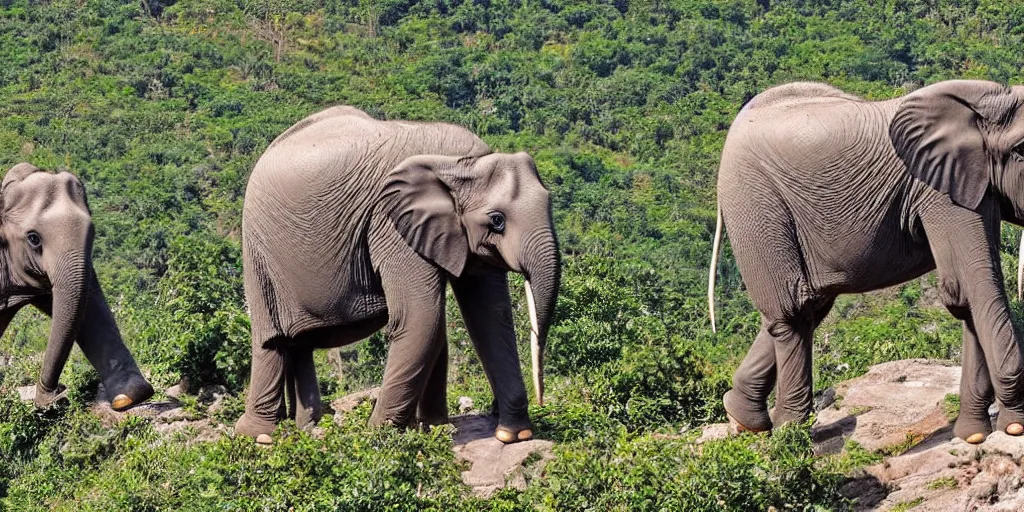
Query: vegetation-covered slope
(162, 108)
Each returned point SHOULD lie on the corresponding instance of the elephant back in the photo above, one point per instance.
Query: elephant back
(308, 207)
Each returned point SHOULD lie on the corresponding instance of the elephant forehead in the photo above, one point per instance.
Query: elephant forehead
(42, 191)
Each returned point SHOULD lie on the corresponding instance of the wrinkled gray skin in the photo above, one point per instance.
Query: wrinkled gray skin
(46, 236)
(824, 193)
(351, 224)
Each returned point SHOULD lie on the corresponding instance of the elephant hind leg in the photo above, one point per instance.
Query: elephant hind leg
(266, 385)
(772, 262)
(779, 357)
(304, 402)
(747, 402)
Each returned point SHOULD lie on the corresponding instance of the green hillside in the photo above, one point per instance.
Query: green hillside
(163, 107)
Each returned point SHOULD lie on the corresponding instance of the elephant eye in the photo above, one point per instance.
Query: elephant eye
(1018, 152)
(33, 240)
(497, 222)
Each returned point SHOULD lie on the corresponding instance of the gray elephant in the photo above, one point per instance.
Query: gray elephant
(46, 260)
(824, 193)
(351, 224)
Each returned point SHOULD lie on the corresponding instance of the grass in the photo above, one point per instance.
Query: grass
(946, 482)
(951, 406)
(907, 505)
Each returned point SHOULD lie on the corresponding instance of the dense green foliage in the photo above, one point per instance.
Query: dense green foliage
(162, 107)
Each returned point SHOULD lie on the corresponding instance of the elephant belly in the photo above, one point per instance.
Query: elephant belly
(858, 264)
(343, 334)
(292, 292)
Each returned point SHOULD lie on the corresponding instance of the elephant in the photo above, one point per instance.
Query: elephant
(824, 193)
(351, 224)
(46, 237)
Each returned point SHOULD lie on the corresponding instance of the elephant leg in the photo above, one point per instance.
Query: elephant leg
(773, 266)
(266, 386)
(414, 290)
(433, 406)
(747, 402)
(794, 392)
(102, 345)
(964, 244)
(304, 403)
(976, 392)
(485, 303)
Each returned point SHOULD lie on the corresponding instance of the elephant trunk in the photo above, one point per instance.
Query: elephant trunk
(542, 268)
(69, 278)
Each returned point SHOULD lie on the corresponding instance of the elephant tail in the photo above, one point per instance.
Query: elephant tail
(713, 270)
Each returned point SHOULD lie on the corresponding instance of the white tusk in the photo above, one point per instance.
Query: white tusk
(1020, 269)
(535, 355)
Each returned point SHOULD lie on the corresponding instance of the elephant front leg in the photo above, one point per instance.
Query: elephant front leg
(266, 387)
(483, 298)
(414, 291)
(976, 393)
(433, 406)
(964, 245)
(101, 343)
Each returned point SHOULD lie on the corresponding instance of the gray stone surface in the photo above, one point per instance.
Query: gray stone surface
(897, 409)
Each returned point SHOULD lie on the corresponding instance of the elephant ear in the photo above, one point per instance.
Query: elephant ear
(14, 175)
(422, 208)
(18, 173)
(940, 133)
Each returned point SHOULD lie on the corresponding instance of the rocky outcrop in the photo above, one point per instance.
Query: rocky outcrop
(904, 411)
(494, 465)
(892, 407)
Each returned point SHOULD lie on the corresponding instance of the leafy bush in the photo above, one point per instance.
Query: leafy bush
(200, 330)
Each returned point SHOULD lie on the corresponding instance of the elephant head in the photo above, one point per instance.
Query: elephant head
(46, 237)
(490, 210)
(964, 137)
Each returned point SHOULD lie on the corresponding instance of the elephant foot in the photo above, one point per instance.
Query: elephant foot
(745, 416)
(781, 416)
(972, 430)
(736, 427)
(133, 392)
(509, 436)
(976, 438)
(432, 420)
(258, 429)
(45, 398)
(515, 429)
(1009, 421)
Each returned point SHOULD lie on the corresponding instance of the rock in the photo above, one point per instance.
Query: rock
(893, 407)
(175, 391)
(351, 401)
(151, 409)
(824, 399)
(713, 432)
(897, 409)
(494, 465)
(27, 393)
(210, 393)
